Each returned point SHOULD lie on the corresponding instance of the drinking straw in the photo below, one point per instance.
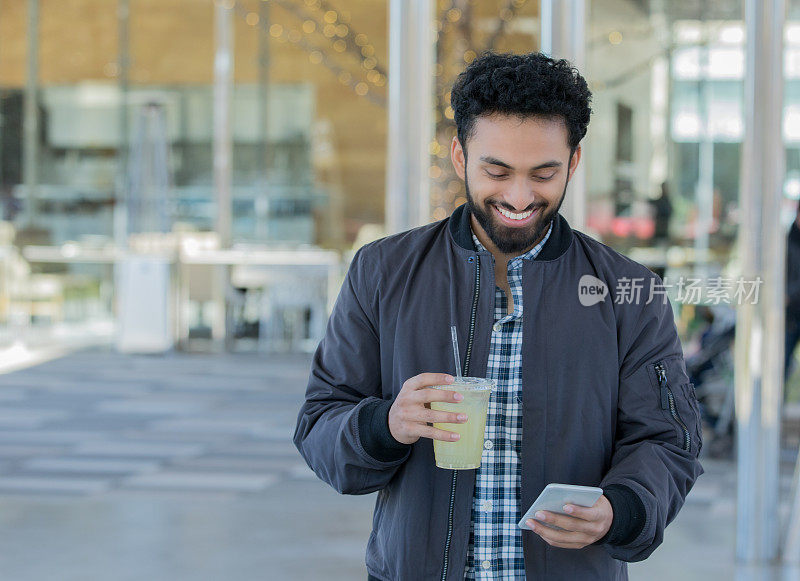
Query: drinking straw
(456, 356)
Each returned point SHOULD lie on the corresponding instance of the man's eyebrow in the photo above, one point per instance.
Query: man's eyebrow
(494, 161)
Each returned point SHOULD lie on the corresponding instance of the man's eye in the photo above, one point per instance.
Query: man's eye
(496, 175)
(545, 178)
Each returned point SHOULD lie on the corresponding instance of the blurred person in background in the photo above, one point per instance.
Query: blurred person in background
(662, 212)
(589, 392)
(792, 297)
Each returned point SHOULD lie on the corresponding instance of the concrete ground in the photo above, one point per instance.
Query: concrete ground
(181, 467)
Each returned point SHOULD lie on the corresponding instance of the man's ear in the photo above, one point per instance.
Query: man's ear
(458, 157)
(574, 160)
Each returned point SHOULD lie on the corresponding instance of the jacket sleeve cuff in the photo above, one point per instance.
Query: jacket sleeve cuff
(629, 515)
(373, 429)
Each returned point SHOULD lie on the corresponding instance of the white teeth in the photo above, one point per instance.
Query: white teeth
(514, 216)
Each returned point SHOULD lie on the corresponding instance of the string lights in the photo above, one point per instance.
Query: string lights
(309, 25)
(336, 26)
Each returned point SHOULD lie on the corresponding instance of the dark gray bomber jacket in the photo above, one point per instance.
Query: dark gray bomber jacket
(606, 399)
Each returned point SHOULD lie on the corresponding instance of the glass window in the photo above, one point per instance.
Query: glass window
(681, 90)
(310, 120)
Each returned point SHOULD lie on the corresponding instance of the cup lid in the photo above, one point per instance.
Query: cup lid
(469, 383)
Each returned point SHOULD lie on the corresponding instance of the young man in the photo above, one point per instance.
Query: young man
(591, 387)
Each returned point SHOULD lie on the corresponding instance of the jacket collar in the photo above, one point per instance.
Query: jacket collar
(556, 245)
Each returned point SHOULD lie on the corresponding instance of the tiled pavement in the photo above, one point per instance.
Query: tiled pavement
(166, 468)
(98, 421)
(181, 467)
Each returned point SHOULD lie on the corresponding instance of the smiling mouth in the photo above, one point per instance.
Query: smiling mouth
(518, 219)
(512, 215)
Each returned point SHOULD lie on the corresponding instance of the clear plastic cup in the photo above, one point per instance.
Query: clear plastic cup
(465, 453)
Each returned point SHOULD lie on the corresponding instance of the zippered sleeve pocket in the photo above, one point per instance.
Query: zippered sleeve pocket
(677, 401)
(691, 396)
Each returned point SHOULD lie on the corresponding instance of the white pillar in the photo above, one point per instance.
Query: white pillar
(261, 209)
(223, 144)
(223, 152)
(762, 252)
(412, 57)
(120, 225)
(563, 35)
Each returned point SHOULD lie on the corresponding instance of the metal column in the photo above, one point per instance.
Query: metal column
(563, 35)
(262, 200)
(704, 189)
(411, 102)
(223, 142)
(30, 120)
(223, 152)
(762, 252)
(123, 66)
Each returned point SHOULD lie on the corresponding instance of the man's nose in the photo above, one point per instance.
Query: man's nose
(519, 195)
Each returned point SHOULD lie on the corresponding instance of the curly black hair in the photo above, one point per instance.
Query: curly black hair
(522, 85)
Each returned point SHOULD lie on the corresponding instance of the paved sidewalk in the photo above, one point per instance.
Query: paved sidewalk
(97, 421)
(181, 467)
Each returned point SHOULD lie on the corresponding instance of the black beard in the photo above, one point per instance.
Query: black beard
(513, 240)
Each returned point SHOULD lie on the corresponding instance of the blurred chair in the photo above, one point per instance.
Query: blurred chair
(12, 267)
(289, 304)
(34, 296)
(196, 286)
(23, 294)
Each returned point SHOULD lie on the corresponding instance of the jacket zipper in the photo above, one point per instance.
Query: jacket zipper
(465, 372)
(668, 402)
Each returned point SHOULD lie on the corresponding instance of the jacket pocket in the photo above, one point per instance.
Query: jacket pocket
(691, 396)
(677, 401)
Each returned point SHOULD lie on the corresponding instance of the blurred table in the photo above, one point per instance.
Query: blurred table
(71, 253)
(248, 266)
(258, 267)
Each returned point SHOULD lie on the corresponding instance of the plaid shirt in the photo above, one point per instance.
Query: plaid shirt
(495, 541)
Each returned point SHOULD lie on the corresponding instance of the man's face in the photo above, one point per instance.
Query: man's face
(516, 174)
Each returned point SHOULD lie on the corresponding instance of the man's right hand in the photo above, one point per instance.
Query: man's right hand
(410, 415)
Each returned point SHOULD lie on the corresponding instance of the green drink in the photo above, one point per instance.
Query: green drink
(464, 453)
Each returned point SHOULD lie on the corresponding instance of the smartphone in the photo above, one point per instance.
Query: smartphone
(555, 496)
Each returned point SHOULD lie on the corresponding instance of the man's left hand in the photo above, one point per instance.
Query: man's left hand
(582, 527)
